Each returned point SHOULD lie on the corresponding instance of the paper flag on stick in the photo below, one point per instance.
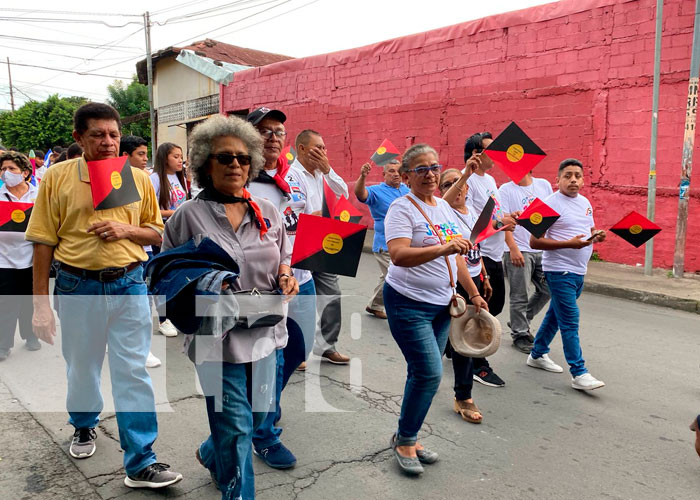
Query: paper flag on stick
(635, 229)
(289, 154)
(537, 218)
(329, 200)
(483, 221)
(384, 153)
(112, 183)
(328, 245)
(14, 216)
(346, 211)
(514, 152)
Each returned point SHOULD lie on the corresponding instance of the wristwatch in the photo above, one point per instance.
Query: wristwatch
(486, 277)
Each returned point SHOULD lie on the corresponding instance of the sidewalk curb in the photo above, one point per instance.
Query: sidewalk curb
(657, 299)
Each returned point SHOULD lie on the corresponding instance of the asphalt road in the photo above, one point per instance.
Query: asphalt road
(540, 438)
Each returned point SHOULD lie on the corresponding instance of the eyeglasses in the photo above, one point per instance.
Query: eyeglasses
(227, 159)
(267, 133)
(447, 185)
(424, 169)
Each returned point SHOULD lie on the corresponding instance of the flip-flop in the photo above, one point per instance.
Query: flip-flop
(409, 465)
(466, 410)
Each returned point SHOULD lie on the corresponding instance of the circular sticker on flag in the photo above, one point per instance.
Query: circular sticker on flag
(636, 229)
(536, 218)
(332, 243)
(381, 150)
(290, 157)
(116, 179)
(18, 216)
(344, 216)
(514, 153)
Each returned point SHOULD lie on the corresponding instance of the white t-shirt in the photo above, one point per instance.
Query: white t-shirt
(515, 197)
(576, 218)
(429, 282)
(178, 195)
(15, 251)
(466, 223)
(481, 187)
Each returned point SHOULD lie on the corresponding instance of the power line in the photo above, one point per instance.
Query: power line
(72, 44)
(83, 73)
(271, 18)
(199, 15)
(63, 55)
(78, 13)
(68, 21)
(55, 88)
(175, 7)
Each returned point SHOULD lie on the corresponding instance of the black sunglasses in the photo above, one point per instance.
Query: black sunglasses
(227, 159)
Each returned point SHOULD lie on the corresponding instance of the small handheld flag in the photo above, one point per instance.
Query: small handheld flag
(47, 158)
(329, 201)
(14, 216)
(515, 152)
(328, 245)
(289, 154)
(537, 218)
(346, 211)
(112, 183)
(32, 160)
(636, 229)
(384, 153)
(483, 228)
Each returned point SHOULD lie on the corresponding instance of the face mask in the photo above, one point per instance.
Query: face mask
(12, 179)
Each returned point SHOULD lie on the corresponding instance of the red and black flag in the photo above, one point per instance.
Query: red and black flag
(329, 201)
(537, 218)
(515, 152)
(328, 245)
(346, 211)
(384, 153)
(14, 216)
(635, 229)
(112, 183)
(289, 154)
(483, 228)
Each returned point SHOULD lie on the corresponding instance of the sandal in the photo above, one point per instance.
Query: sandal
(468, 411)
(695, 427)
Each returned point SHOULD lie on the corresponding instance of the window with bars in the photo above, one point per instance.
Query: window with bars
(189, 110)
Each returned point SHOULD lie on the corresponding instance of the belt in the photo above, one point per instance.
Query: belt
(104, 275)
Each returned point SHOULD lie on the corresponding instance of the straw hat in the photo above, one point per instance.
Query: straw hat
(475, 335)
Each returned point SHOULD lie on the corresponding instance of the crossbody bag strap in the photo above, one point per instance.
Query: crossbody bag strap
(432, 228)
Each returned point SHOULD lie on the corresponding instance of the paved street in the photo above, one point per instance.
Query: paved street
(540, 438)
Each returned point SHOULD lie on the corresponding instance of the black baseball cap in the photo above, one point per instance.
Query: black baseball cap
(257, 115)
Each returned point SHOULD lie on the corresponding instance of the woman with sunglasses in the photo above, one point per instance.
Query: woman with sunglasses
(237, 371)
(417, 293)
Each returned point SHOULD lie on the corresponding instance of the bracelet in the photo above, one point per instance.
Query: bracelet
(486, 276)
(477, 295)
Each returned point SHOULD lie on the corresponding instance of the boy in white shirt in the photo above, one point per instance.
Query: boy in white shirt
(567, 245)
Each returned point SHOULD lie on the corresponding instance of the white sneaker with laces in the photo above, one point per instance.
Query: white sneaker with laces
(152, 361)
(544, 363)
(168, 329)
(586, 382)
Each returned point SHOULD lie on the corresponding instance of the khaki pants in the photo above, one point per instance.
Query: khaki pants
(377, 301)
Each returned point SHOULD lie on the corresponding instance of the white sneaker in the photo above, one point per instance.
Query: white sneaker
(544, 363)
(152, 361)
(586, 382)
(168, 329)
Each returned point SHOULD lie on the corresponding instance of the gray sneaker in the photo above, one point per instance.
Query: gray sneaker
(83, 444)
(154, 476)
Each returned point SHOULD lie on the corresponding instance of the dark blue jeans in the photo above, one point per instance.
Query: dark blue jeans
(420, 329)
(563, 315)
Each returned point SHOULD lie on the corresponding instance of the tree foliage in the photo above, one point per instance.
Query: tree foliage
(40, 125)
(131, 100)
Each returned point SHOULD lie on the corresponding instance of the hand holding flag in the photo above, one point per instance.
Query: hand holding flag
(384, 153)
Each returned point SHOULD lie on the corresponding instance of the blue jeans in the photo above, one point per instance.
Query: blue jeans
(301, 324)
(115, 314)
(563, 315)
(420, 329)
(227, 451)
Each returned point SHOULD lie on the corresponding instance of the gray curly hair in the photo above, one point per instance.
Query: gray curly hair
(412, 152)
(201, 138)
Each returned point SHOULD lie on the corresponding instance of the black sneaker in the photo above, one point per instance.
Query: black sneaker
(486, 376)
(523, 344)
(32, 344)
(83, 444)
(154, 476)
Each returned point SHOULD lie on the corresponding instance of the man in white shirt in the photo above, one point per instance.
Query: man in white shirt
(313, 168)
(523, 263)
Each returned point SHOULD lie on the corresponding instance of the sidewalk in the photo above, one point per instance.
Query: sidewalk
(629, 282)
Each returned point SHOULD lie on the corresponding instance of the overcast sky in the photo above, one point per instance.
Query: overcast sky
(107, 38)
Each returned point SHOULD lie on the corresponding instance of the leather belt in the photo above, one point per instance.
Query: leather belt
(104, 275)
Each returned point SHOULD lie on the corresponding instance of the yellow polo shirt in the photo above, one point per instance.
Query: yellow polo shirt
(63, 212)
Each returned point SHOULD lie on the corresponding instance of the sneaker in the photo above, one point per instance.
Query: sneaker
(83, 444)
(486, 376)
(277, 456)
(167, 328)
(544, 363)
(586, 382)
(32, 344)
(336, 358)
(523, 344)
(4, 354)
(154, 476)
(152, 361)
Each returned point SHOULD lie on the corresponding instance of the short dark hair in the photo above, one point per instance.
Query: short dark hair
(304, 136)
(74, 150)
(129, 143)
(568, 162)
(39, 154)
(475, 142)
(94, 111)
(57, 149)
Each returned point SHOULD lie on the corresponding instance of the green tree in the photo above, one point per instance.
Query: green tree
(40, 125)
(132, 102)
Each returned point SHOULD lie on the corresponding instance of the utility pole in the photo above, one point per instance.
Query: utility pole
(149, 69)
(12, 95)
(688, 143)
(651, 193)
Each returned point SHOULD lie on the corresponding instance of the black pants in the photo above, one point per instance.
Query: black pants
(498, 298)
(463, 366)
(15, 305)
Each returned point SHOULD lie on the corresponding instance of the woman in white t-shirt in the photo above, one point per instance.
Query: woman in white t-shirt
(417, 293)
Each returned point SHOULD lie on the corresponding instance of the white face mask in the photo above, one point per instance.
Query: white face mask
(12, 179)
